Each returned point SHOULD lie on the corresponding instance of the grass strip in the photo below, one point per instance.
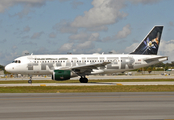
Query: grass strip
(90, 81)
(77, 89)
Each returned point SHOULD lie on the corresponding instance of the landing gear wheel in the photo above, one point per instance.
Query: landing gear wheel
(30, 81)
(83, 80)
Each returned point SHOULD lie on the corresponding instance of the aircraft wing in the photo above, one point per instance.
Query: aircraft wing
(91, 66)
(83, 69)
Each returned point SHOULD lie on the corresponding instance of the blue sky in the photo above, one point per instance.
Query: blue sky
(82, 26)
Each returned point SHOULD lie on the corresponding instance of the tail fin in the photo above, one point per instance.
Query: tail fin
(150, 45)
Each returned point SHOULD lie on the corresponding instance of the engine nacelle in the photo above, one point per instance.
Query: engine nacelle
(60, 75)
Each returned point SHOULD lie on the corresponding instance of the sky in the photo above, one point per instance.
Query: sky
(82, 26)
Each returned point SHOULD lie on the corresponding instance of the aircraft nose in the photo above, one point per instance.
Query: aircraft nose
(8, 68)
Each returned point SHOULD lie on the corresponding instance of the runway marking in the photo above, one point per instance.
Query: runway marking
(119, 84)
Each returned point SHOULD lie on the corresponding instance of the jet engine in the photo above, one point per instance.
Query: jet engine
(60, 75)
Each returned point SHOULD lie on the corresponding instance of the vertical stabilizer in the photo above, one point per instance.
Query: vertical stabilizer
(150, 45)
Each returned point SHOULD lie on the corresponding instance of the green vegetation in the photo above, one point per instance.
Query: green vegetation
(71, 89)
(90, 81)
(1, 67)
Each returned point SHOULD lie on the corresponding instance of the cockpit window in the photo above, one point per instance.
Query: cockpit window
(16, 61)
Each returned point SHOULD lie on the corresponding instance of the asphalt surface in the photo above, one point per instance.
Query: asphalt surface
(100, 77)
(87, 106)
(89, 84)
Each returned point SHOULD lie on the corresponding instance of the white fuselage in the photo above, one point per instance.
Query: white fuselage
(46, 64)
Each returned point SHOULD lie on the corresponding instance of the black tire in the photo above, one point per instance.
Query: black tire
(30, 81)
(82, 80)
(85, 80)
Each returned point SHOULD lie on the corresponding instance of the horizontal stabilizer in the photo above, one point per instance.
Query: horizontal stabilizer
(156, 59)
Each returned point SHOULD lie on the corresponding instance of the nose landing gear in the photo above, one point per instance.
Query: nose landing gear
(83, 79)
(30, 80)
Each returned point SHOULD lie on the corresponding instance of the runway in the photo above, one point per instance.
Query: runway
(101, 77)
(86, 106)
(88, 84)
(95, 83)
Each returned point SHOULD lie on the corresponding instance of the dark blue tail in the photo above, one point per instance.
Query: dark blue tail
(150, 45)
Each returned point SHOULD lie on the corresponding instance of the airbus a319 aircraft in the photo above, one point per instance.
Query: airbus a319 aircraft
(64, 67)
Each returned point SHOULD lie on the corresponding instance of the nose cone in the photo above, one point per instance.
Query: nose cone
(8, 68)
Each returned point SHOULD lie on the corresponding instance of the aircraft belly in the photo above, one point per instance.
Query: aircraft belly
(113, 70)
(33, 72)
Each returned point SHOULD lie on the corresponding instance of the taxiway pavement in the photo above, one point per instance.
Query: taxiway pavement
(101, 77)
(87, 106)
(88, 84)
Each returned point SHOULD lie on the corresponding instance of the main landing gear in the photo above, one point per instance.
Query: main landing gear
(83, 79)
(30, 80)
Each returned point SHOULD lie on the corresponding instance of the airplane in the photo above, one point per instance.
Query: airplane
(64, 67)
